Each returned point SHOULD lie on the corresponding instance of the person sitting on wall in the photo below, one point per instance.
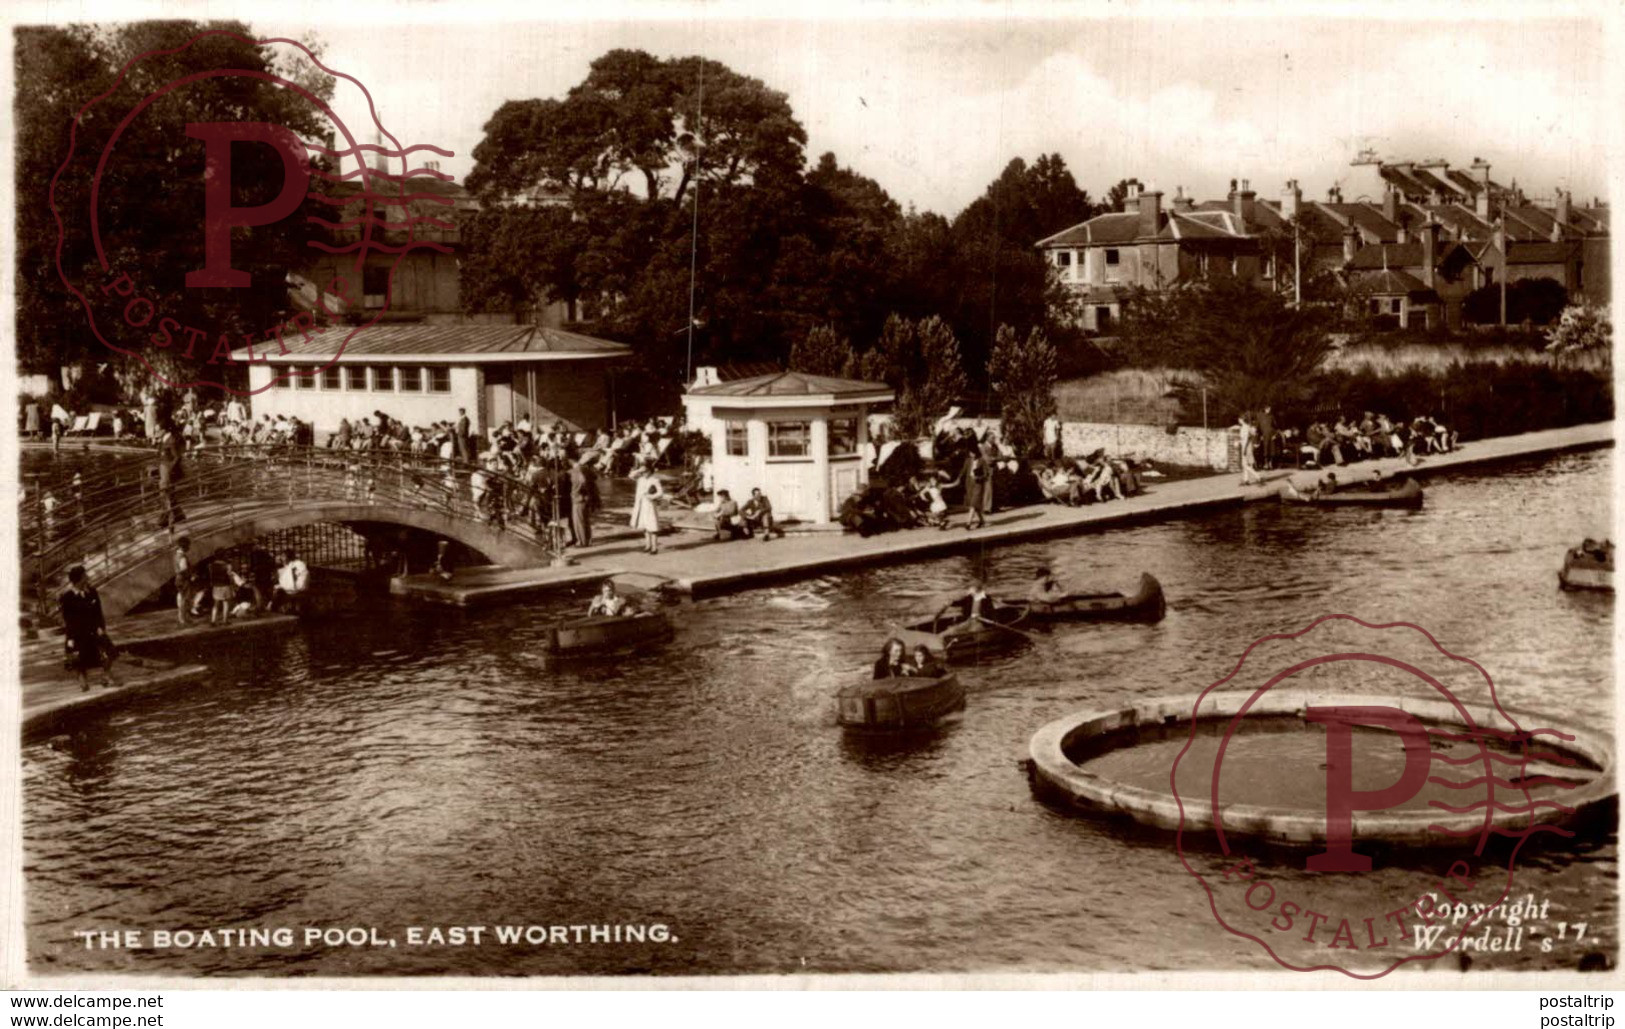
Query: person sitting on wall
(730, 524)
(758, 514)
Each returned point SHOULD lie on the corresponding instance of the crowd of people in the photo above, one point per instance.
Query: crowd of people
(1339, 442)
(1092, 479)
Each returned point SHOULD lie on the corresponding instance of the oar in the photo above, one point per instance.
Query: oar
(987, 621)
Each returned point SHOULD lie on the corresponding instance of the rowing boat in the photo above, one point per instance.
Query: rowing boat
(1588, 569)
(1409, 495)
(600, 634)
(989, 632)
(897, 704)
(1145, 604)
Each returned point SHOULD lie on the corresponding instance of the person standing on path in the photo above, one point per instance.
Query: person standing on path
(1249, 446)
(1266, 438)
(183, 578)
(85, 629)
(645, 512)
(581, 504)
(978, 479)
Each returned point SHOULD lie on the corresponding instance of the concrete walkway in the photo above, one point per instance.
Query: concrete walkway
(700, 565)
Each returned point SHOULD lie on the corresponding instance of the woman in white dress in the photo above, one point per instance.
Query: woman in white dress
(645, 513)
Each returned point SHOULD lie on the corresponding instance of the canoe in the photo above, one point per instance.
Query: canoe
(975, 635)
(599, 634)
(1145, 604)
(1585, 571)
(1409, 495)
(893, 705)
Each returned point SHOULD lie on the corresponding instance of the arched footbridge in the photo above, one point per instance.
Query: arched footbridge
(119, 526)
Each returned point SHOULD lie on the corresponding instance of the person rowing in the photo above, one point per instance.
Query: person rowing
(972, 605)
(1045, 590)
(607, 603)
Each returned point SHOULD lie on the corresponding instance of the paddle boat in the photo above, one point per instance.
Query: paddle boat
(962, 634)
(1590, 566)
(1145, 604)
(899, 703)
(1408, 495)
(608, 634)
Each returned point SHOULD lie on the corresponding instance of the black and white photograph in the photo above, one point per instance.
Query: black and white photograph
(690, 493)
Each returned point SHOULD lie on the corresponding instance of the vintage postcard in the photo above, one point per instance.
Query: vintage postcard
(678, 493)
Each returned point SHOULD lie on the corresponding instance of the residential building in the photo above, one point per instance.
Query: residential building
(1373, 229)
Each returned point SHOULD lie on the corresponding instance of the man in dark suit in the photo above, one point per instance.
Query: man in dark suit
(85, 629)
(459, 438)
(1266, 438)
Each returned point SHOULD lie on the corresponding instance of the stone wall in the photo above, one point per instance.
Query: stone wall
(1188, 446)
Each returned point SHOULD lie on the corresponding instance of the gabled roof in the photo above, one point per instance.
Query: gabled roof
(1392, 283)
(1406, 181)
(1203, 225)
(1539, 253)
(1368, 218)
(1461, 221)
(440, 344)
(1116, 227)
(1387, 255)
(792, 384)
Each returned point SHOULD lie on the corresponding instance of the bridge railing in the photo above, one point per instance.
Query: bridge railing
(221, 484)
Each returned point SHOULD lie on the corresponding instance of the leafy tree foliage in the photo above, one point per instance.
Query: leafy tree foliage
(821, 352)
(1538, 301)
(151, 201)
(1022, 376)
(1251, 346)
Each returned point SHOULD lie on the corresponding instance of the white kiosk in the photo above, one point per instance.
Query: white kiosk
(797, 437)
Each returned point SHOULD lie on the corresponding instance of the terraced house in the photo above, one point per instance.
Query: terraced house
(1410, 239)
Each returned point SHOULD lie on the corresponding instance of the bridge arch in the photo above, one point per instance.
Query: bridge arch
(231, 496)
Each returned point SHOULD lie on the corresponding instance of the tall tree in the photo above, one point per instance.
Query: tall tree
(937, 382)
(1022, 377)
(822, 351)
(151, 200)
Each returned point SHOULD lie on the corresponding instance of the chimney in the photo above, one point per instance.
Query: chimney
(1561, 216)
(1181, 201)
(1245, 203)
(1131, 201)
(1481, 199)
(1430, 250)
(1291, 199)
(1390, 204)
(1334, 195)
(1403, 236)
(1351, 242)
(1231, 196)
(1150, 212)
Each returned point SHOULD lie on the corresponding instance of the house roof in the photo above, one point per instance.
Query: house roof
(440, 344)
(1203, 225)
(1392, 283)
(1116, 227)
(1368, 218)
(793, 384)
(1539, 253)
(1387, 255)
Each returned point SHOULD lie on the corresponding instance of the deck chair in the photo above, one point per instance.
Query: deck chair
(78, 425)
(94, 424)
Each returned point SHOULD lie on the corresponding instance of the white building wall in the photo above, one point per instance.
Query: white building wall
(309, 400)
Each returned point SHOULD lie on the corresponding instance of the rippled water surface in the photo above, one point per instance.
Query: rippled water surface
(426, 768)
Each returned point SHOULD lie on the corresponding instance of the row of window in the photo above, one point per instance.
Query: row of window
(794, 439)
(378, 378)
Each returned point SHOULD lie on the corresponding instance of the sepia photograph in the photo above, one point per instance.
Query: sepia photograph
(682, 491)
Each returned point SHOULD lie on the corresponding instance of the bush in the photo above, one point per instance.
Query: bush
(1538, 301)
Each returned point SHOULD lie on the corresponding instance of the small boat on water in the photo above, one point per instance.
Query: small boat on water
(1590, 566)
(1408, 495)
(898, 704)
(605, 634)
(1145, 604)
(992, 631)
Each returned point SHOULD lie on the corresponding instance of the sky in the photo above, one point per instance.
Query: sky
(934, 109)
